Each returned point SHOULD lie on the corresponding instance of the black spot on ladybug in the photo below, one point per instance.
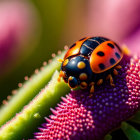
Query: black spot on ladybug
(112, 61)
(117, 55)
(72, 45)
(111, 45)
(82, 39)
(100, 53)
(101, 66)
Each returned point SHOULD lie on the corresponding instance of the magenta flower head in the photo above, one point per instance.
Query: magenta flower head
(17, 24)
(80, 116)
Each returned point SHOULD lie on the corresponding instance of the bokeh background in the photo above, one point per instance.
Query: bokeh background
(32, 30)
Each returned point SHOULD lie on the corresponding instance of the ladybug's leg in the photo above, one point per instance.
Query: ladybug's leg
(92, 87)
(72, 81)
(111, 80)
(115, 72)
(61, 74)
(100, 81)
(83, 85)
(118, 67)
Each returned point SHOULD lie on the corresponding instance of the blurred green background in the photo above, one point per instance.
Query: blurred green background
(55, 26)
(32, 30)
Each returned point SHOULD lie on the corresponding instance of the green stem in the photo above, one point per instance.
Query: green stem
(130, 131)
(28, 91)
(136, 118)
(26, 122)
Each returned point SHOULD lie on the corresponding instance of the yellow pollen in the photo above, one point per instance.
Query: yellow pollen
(81, 65)
(126, 50)
(83, 76)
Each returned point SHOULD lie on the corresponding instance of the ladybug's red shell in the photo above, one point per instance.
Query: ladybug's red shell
(105, 56)
(75, 48)
(102, 57)
(90, 61)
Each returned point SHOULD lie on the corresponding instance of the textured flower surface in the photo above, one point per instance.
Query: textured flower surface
(82, 117)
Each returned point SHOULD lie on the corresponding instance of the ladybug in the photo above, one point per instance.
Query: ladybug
(90, 61)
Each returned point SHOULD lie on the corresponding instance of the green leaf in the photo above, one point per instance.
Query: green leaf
(28, 91)
(136, 118)
(108, 137)
(130, 131)
(26, 122)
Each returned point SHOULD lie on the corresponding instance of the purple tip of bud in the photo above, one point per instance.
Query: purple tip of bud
(36, 134)
(44, 124)
(84, 117)
(41, 129)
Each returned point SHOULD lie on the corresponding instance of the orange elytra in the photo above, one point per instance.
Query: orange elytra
(91, 60)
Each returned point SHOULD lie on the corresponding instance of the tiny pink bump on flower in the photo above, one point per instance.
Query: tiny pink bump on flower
(80, 117)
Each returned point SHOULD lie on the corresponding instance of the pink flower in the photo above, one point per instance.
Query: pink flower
(17, 23)
(117, 19)
(82, 117)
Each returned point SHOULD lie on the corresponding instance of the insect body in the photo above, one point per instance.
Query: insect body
(91, 61)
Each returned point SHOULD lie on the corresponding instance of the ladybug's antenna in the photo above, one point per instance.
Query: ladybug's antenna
(60, 60)
(61, 74)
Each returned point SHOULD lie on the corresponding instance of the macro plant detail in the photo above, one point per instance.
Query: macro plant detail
(28, 90)
(78, 114)
(82, 117)
(69, 100)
